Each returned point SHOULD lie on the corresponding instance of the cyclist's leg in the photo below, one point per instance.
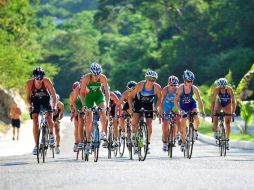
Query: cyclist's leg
(81, 128)
(76, 136)
(227, 109)
(165, 131)
(103, 119)
(196, 119)
(35, 118)
(217, 109)
(89, 125)
(57, 132)
(136, 115)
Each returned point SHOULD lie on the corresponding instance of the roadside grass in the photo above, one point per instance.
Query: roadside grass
(206, 128)
(3, 128)
(25, 116)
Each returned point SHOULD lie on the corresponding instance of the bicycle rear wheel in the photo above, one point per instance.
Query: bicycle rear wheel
(171, 141)
(142, 141)
(121, 142)
(115, 148)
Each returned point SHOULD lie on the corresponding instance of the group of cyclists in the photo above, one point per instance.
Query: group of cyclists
(93, 89)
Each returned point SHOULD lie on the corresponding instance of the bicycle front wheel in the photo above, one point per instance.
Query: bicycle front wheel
(171, 141)
(38, 146)
(142, 141)
(121, 142)
(96, 143)
(190, 141)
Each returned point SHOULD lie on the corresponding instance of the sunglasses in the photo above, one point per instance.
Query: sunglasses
(189, 81)
(150, 79)
(173, 85)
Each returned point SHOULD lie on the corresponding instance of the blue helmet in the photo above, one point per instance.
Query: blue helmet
(188, 75)
(118, 94)
(95, 69)
(151, 74)
(222, 82)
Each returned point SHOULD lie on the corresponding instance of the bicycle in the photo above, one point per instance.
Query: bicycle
(222, 132)
(142, 135)
(82, 114)
(122, 139)
(190, 135)
(42, 144)
(111, 138)
(95, 135)
(171, 137)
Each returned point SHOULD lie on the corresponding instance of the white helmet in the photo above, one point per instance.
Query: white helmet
(57, 97)
(95, 69)
(222, 82)
(151, 74)
(188, 75)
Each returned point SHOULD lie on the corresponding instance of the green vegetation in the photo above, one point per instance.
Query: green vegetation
(206, 128)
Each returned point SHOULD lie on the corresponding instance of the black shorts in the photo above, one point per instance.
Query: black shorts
(112, 111)
(15, 123)
(42, 104)
(147, 106)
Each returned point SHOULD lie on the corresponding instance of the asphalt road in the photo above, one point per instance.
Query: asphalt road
(206, 169)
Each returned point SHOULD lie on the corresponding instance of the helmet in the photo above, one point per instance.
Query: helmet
(173, 80)
(38, 73)
(118, 94)
(75, 85)
(95, 69)
(131, 84)
(188, 75)
(222, 82)
(151, 74)
(57, 97)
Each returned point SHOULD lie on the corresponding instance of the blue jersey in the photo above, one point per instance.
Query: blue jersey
(187, 102)
(225, 98)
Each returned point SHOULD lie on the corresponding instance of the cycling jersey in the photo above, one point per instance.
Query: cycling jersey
(95, 95)
(225, 98)
(168, 103)
(187, 102)
(144, 99)
(40, 99)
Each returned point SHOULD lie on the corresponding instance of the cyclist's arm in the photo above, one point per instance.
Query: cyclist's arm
(83, 88)
(123, 97)
(158, 93)
(177, 98)
(28, 92)
(200, 102)
(61, 106)
(133, 93)
(213, 99)
(105, 84)
(163, 95)
(52, 91)
(232, 99)
(73, 98)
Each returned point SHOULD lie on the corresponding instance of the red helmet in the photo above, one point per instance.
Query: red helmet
(75, 85)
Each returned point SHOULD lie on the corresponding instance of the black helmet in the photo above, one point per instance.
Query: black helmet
(38, 73)
(131, 84)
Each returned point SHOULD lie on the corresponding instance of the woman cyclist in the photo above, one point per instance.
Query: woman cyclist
(226, 102)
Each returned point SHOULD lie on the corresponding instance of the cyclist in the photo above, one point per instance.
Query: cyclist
(39, 91)
(226, 102)
(124, 98)
(168, 95)
(57, 116)
(185, 102)
(74, 115)
(77, 108)
(143, 95)
(114, 109)
(93, 81)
